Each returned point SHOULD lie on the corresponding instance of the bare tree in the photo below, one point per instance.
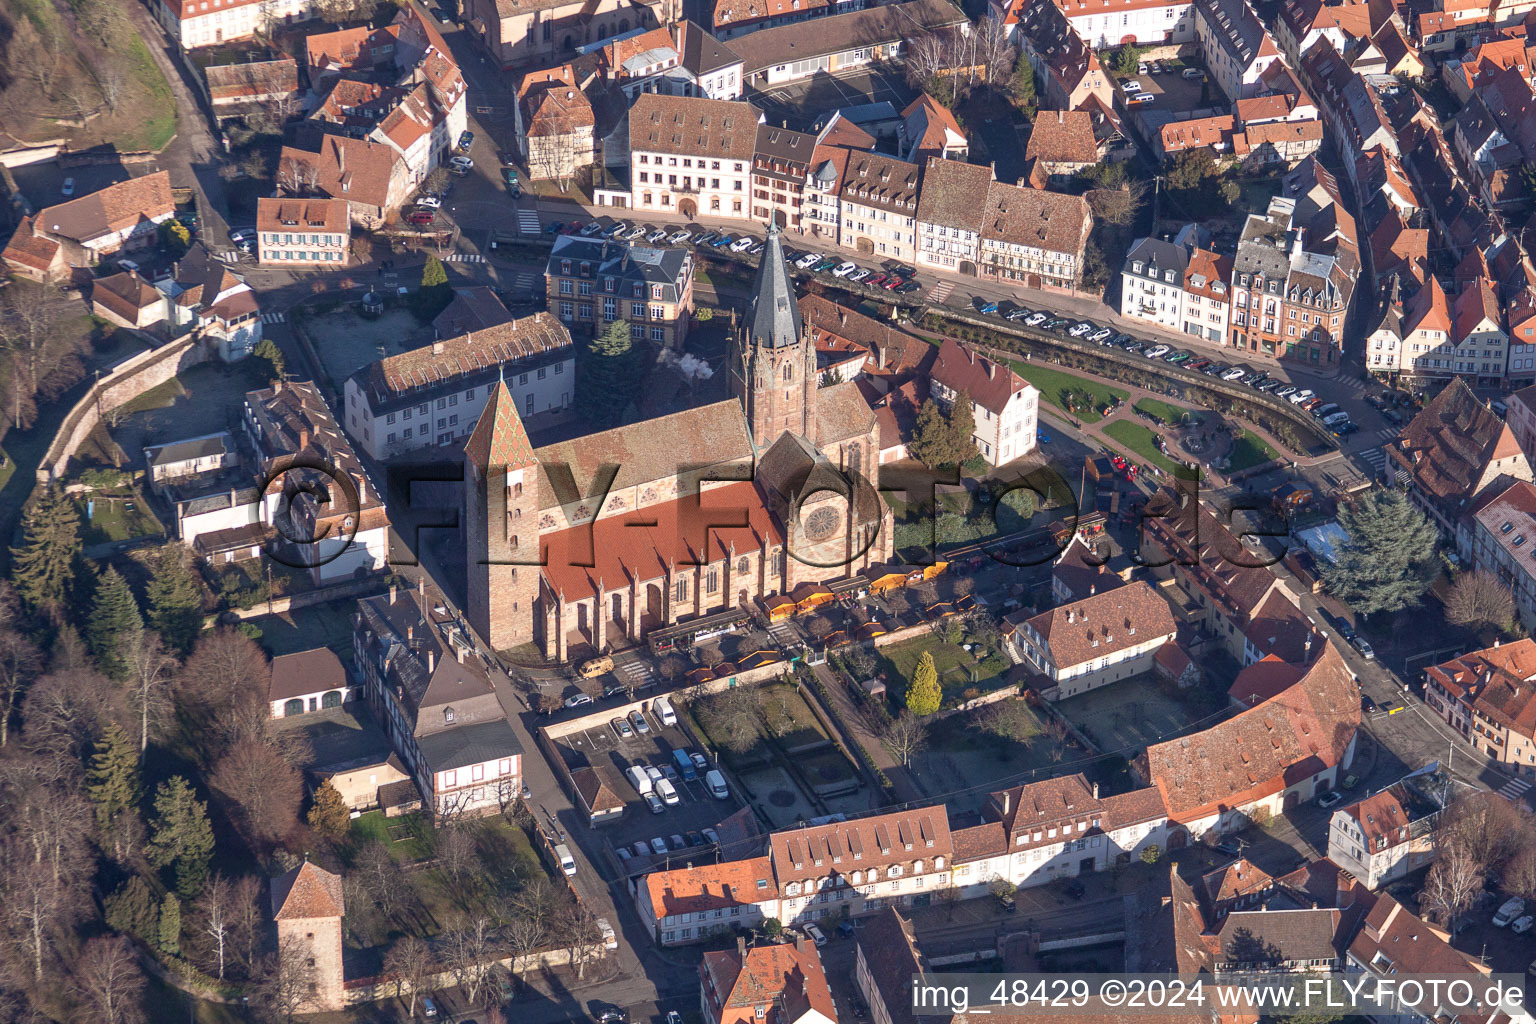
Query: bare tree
(456, 850)
(1484, 823)
(108, 978)
(583, 939)
(285, 980)
(247, 918)
(818, 626)
(1519, 874)
(385, 883)
(1453, 883)
(297, 176)
(150, 668)
(904, 736)
(264, 790)
(411, 963)
(860, 661)
(217, 907)
(1479, 599)
(222, 686)
(470, 956)
(524, 936)
(733, 718)
(19, 664)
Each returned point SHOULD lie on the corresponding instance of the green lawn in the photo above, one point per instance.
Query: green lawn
(158, 129)
(161, 396)
(788, 718)
(1165, 412)
(112, 520)
(1143, 442)
(916, 531)
(955, 664)
(1250, 450)
(1057, 385)
(7, 467)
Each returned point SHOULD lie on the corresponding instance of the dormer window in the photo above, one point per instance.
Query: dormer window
(448, 715)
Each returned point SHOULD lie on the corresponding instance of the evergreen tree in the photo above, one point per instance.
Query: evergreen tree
(113, 779)
(175, 600)
(1389, 560)
(181, 836)
(435, 292)
(962, 430)
(43, 566)
(610, 374)
(170, 924)
(267, 349)
(131, 910)
(923, 692)
(330, 816)
(932, 443)
(115, 624)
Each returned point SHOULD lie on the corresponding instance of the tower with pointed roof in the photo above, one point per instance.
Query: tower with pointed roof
(307, 907)
(501, 515)
(773, 367)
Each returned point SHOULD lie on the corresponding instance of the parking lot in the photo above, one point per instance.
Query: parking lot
(610, 749)
(798, 104)
(1175, 94)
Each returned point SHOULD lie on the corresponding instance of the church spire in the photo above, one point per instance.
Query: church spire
(499, 438)
(773, 316)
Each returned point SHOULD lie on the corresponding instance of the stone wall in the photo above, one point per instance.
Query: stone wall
(127, 381)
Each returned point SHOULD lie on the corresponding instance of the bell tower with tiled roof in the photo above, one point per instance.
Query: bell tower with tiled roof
(773, 370)
(501, 515)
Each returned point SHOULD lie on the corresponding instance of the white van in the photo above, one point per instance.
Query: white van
(663, 709)
(716, 783)
(668, 793)
(567, 862)
(638, 779)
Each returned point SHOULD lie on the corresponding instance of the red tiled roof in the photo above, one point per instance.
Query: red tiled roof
(1449, 448)
(731, 883)
(1062, 136)
(30, 248)
(1297, 733)
(307, 892)
(328, 215)
(786, 980)
(114, 208)
(899, 837)
(1098, 625)
(646, 543)
(990, 384)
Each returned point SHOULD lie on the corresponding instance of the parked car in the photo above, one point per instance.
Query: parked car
(1036, 319)
(987, 308)
(1080, 329)
(1513, 908)
(712, 836)
(895, 281)
(757, 248)
(824, 264)
(461, 161)
(722, 242)
(1301, 396)
(1286, 392)
(1101, 335)
(429, 202)
(1367, 705)
(1327, 409)
(816, 935)
(858, 274)
(809, 260)
(844, 269)
(614, 230)
(741, 244)
(1329, 798)
(908, 286)
(877, 280)
(1192, 73)
(622, 728)
(1134, 347)
(659, 846)
(554, 227)
(1214, 369)
(592, 228)
(577, 701)
(1141, 97)
(1156, 352)
(677, 238)
(466, 139)
(1363, 645)
(1131, 86)
(1234, 373)
(420, 217)
(1522, 925)
(638, 721)
(1141, 67)
(68, 188)
(699, 761)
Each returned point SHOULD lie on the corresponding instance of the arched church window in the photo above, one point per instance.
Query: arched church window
(789, 370)
(741, 565)
(712, 580)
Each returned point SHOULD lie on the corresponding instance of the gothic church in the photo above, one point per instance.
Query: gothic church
(594, 541)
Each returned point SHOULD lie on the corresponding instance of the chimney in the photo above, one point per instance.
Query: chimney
(802, 944)
(458, 653)
(277, 386)
(437, 348)
(1061, 117)
(233, 500)
(341, 158)
(1346, 890)
(1093, 588)
(1296, 242)
(421, 586)
(741, 946)
(431, 660)
(392, 589)
(1095, 790)
(1007, 801)
(880, 356)
(410, 634)
(303, 438)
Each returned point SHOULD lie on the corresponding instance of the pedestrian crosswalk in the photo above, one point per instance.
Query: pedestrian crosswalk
(528, 222)
(1376, 458)
(273, 318)
(1514, 789)
(463, 257)
(1387, 433)
(523, 284)
(228, 256)
(941, 291)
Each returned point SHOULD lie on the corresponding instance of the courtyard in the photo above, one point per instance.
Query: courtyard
(1125, 717)
(346, 341)
(960, 670)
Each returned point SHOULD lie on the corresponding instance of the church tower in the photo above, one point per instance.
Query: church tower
(501, 516)
(773, 368)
